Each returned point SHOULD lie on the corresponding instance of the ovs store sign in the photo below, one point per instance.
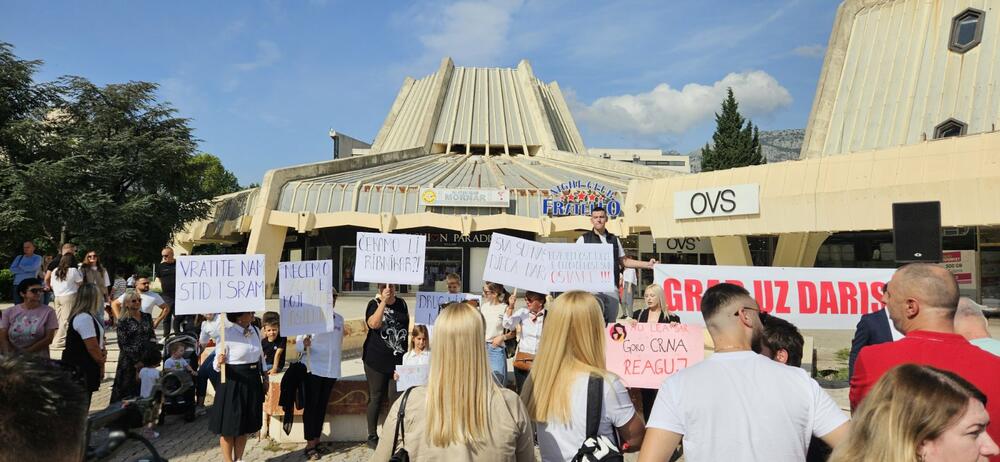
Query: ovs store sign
(579, 197)
(741, 199)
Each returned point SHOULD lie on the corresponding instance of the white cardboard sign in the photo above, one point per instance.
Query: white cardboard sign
(305, 298)
(429, 305)
(517, 263)
(219, 284)
(390, 258)
(589, 267)
(412, 376)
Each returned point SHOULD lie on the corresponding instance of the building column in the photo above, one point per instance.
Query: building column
(731, 250)
(798, 249)
(269, 240)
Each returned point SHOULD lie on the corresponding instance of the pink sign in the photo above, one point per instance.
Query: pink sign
(645, 354)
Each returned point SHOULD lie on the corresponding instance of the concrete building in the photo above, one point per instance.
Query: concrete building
(462, 153)
(906, 110)
(648, 157)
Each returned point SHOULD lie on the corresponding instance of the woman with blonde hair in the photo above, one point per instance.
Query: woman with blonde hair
(461, 414)
(85, 349)
(919, 413)
(570, 353)
(655, 312)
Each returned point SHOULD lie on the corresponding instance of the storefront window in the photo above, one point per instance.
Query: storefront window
(440, 262)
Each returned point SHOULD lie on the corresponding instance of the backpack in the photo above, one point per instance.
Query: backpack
(596, 447)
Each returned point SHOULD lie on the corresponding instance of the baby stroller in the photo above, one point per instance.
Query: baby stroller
(178, 386)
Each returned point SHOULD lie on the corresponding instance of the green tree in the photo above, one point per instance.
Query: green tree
(107, 167)
(736, 141)
(215, 179)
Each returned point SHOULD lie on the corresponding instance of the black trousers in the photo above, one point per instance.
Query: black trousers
(317, 397)
(519, 378)
(378, 391)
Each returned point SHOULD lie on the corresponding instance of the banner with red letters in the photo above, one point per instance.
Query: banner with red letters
(810, 298)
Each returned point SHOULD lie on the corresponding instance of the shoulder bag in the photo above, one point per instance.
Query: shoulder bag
(596, 447)
(400, 455)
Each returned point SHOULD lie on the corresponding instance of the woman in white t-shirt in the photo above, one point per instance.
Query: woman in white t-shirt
(570, 352)
(494, 305)
(85, 349)
(65, 281)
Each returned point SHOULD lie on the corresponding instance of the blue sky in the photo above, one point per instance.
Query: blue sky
(264, 81)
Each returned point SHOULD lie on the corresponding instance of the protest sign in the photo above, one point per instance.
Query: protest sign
(219, 284)
(390, 258)
(810, 298)
(429, 304)
(589, 267)
(645, 354)
(412, 376)
(305, 299)
(516, 262)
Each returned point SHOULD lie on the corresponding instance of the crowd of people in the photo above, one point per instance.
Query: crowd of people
(925, 374)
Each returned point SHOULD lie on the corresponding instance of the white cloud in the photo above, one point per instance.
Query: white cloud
(810, 51)
(267, 54)
(666, 110)
(473, 33)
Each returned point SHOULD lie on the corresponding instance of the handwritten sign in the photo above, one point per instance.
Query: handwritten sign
(645, 354)
(429, 305)
(305, 300)
(219, 284)
(589, 267)
(412, 376)
(810, 298)
(517, 263)
(390, 258)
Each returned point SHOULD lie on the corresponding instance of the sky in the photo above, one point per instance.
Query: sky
(263, 82)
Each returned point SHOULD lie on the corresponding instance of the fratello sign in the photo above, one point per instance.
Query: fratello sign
(740, 199)
(444, 197)
(579, 197)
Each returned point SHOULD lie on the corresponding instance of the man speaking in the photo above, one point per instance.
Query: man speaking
(600, 235)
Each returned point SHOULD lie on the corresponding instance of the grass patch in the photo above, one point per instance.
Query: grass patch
(842, 373)
(843, 354)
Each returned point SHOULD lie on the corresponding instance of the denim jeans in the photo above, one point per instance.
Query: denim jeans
(205, 373)
(497, 357)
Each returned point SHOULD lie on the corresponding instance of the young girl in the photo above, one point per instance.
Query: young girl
(419, 353)
(148, 376)
(176, 360)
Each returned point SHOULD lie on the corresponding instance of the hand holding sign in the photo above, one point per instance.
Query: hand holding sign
(306, 303)
(219, 283)
(390, 258)
(645, 354)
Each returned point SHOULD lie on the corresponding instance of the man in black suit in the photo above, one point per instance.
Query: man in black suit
(873, 328)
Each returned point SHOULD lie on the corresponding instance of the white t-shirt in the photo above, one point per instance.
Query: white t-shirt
(411, 358)
(628, 276)
(558, 441)
(83, 324)
(493, 314)
(210, 329)
(175, 364)
(325, 352)
(240, 348)
(742, 406)
(147, 378)
(150, 300)
(69, 285)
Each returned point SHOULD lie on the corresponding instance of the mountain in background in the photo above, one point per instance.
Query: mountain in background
(777, 145)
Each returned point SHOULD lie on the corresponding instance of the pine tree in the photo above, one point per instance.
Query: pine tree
(733, 144)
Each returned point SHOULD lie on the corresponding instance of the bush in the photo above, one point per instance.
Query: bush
(6, 282)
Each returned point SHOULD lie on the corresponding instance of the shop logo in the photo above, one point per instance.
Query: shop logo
(429, 196)
(579, 197)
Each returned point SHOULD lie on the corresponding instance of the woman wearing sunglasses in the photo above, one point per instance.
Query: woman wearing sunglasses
(95, 273)
(135, 336)
(30, 326)
(239, 402)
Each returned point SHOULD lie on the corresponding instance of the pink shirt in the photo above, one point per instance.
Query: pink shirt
(25, 327)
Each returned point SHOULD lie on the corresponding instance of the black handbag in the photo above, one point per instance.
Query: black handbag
(596, 447)
(510, 345)
(400, 455)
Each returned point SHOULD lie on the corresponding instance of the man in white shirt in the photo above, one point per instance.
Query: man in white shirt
(149, 298)
(738, 405)
(600, 235)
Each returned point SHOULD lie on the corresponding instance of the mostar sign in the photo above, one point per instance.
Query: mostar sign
(740, 199)
(443, 197)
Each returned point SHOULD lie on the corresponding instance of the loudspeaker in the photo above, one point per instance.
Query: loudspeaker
(916, 231)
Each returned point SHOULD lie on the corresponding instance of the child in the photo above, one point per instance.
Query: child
(274, 347)
(176, 360)
(148, 376)
(419, 353)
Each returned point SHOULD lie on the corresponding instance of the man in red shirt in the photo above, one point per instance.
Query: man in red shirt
(921, 299)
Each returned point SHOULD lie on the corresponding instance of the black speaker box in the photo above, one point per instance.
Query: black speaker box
(916, 231)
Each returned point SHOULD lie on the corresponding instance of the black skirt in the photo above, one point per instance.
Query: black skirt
(239, 403)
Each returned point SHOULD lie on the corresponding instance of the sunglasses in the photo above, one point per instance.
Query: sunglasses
(737, 313)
